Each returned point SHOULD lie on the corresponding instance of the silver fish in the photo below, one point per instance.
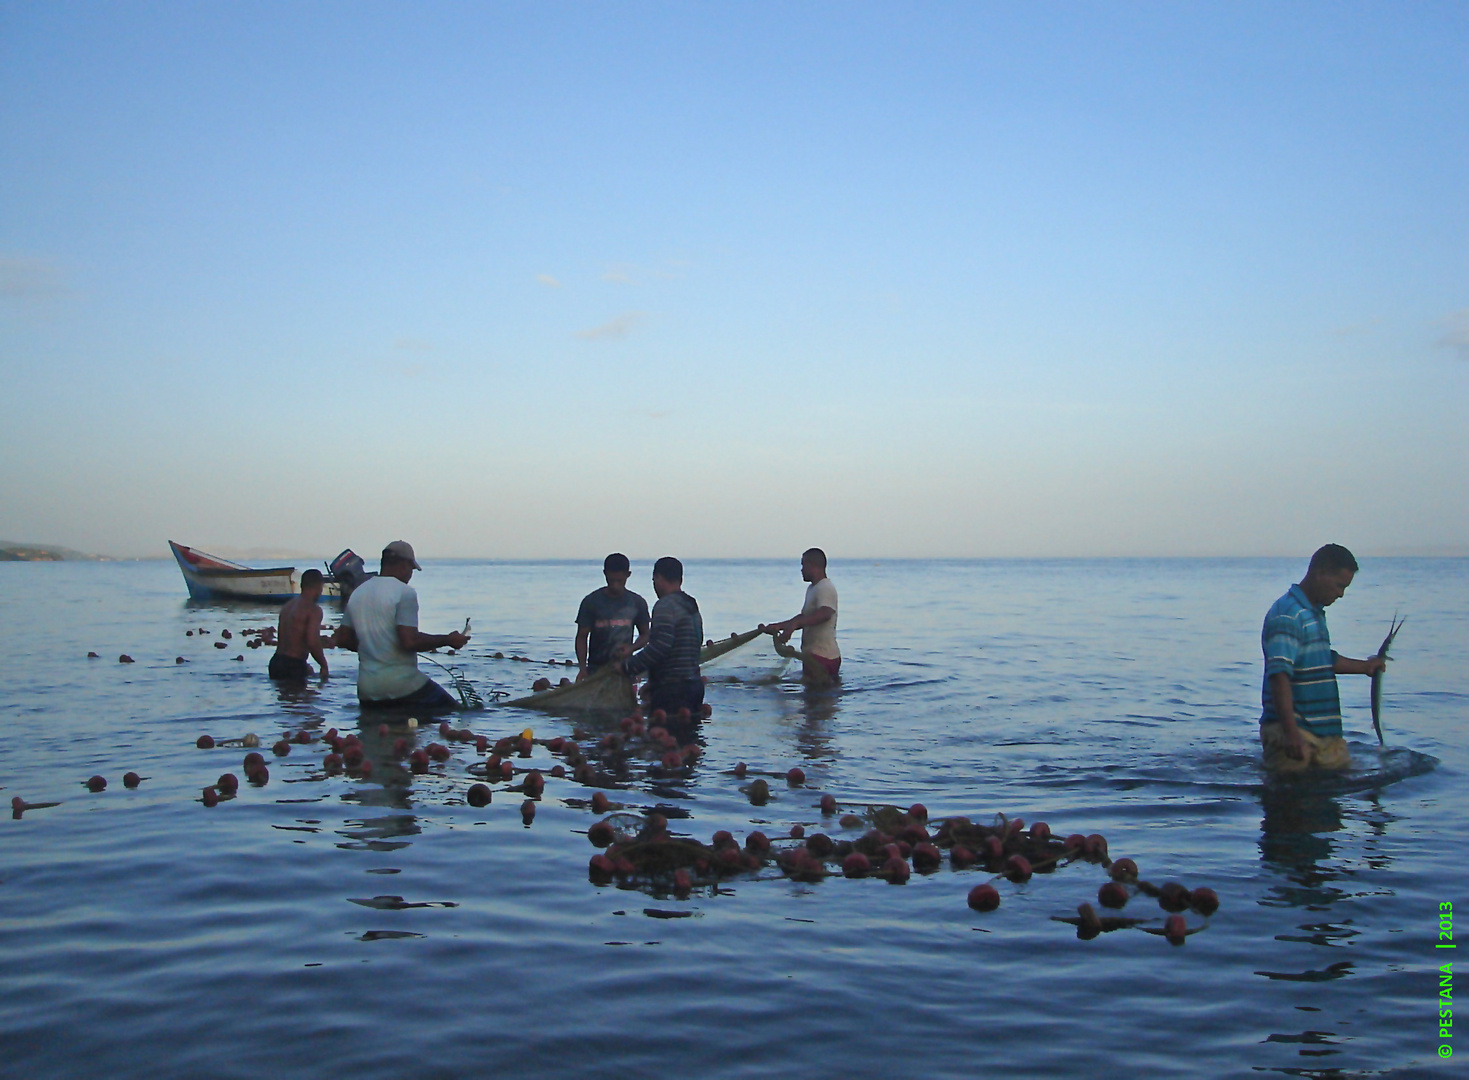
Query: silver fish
(1377, 679)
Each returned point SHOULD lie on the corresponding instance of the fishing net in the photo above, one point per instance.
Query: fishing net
(607, 689)
(751, 657)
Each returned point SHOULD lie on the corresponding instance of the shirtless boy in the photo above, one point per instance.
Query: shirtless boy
(299, 633)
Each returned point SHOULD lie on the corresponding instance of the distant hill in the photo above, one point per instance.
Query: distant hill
(13, 552)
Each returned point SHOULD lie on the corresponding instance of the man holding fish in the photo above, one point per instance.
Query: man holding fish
(1301, 723)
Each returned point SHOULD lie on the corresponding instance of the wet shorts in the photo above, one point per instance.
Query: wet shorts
(429, 698)
(1328, 752)
(289, 668)
(831, 666)
(675, 695)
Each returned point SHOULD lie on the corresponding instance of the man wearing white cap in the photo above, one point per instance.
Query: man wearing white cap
(381, 626)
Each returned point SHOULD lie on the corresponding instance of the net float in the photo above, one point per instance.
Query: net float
(253, 761)
(1096, 844)
(558, 771)
(757, 842)
(601, 834)
(418, 761)
(205, 742)
(796, 777)
(354, 757)
(260, 776)
(527, 811)
(179, 660)
(960, 857)
(682, 883)
(1205, 901)
(477, 795)
(1173, 897)
(1113, 895)
(535, 783)
(96, 783)
(759, 792)
(918, 812)
(303, 737)
(856, 865)
(600, 803)
(600, 869)
(332, 762)
(1175, 929)
(740, 768)
(132, 780)
(723, 838)
(1088, 924)
(1076, 842)
(798, 831)
(993, 851)
(382, 731)
(228, 783)
(1017, 869)
(828, 804)
(926, 858)
(125, 659)
(820, 845)
(365, 769)
(984, 898)
(1040, 833)
(672, 759)
(438, 751)
(1123, 870)
(851, 821)
(250, 739)
(896, 871)
(211, 797)
(281, 748)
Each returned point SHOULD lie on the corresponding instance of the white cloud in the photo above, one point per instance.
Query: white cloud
(616, 329)
(548, 281)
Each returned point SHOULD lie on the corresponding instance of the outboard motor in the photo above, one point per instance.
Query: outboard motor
(348, 571)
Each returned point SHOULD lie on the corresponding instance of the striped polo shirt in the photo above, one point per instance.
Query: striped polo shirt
(1295, 641)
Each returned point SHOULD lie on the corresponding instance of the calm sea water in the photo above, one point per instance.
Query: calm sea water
(143, 934)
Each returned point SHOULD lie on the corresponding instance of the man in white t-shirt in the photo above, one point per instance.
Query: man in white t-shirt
(380, 624)
(817, 622)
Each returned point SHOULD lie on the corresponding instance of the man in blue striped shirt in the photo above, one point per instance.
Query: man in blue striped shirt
(1301, 723)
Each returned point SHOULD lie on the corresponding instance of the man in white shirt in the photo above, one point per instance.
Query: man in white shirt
(381, 626)
(817, 622)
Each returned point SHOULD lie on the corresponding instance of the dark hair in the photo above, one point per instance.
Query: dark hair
(669, 569)
(816, 555)
(311, 577)
(616, 562)
(1332, 559)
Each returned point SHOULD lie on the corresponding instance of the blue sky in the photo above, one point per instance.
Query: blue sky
(533, 280)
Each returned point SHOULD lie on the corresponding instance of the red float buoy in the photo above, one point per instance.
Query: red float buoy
(527, 811)
(820, 845)
(918, 812)
(205, 742)
(281, 748)
(984, 898)
(477, 795)
(1017, 869)
(131, 780)
(600, 803)
(332, 762)
(534, 784)
(1173, 897)
(1040, 833)
(228, 783)
(1175, 929)
(600, 869)
(798, 831)
(96, 783)
(1123, 870)
(740, 768)
(828, 804)
(896, 870)
(1076, 843)
(757, 843)
(796, 777)
(682, 883)
(1205, 901)
(856, 865)
(960, 857)
(507, 770)
(1113, 895)
(211, 797)
(601, 834)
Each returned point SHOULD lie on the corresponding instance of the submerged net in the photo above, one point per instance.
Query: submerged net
(751, 657)
(607, 689)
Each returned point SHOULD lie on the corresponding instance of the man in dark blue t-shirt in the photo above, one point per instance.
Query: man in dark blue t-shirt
(607, 619)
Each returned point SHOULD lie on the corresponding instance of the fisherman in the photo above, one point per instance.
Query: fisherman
(1301, 723)
(671, 655)
(607, 618)
(817, 622)
(299, 633)
(381, 626)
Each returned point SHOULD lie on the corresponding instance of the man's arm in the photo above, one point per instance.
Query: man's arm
(784, 630)
(314, 639)
(583, 634)
(658, 648)
(1284, 701)
(413, 640)
(1345, 665)
(346, 637)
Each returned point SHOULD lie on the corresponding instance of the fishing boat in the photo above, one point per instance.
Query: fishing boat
(210, 577)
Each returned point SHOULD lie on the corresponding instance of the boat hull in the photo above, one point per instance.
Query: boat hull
(209, 577)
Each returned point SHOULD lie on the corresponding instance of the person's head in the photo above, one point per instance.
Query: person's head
(1331, 571)
(311, 583)
(667, 575)
(813, 564)
(399, 560)
(616, 569)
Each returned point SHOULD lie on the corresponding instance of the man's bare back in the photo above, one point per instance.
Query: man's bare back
(299, 629)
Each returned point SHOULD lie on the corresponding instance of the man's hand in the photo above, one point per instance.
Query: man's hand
(456, 639)
(1375, 664)
(1295, 745)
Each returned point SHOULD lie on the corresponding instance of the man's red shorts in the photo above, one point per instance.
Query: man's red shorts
(832, 666)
